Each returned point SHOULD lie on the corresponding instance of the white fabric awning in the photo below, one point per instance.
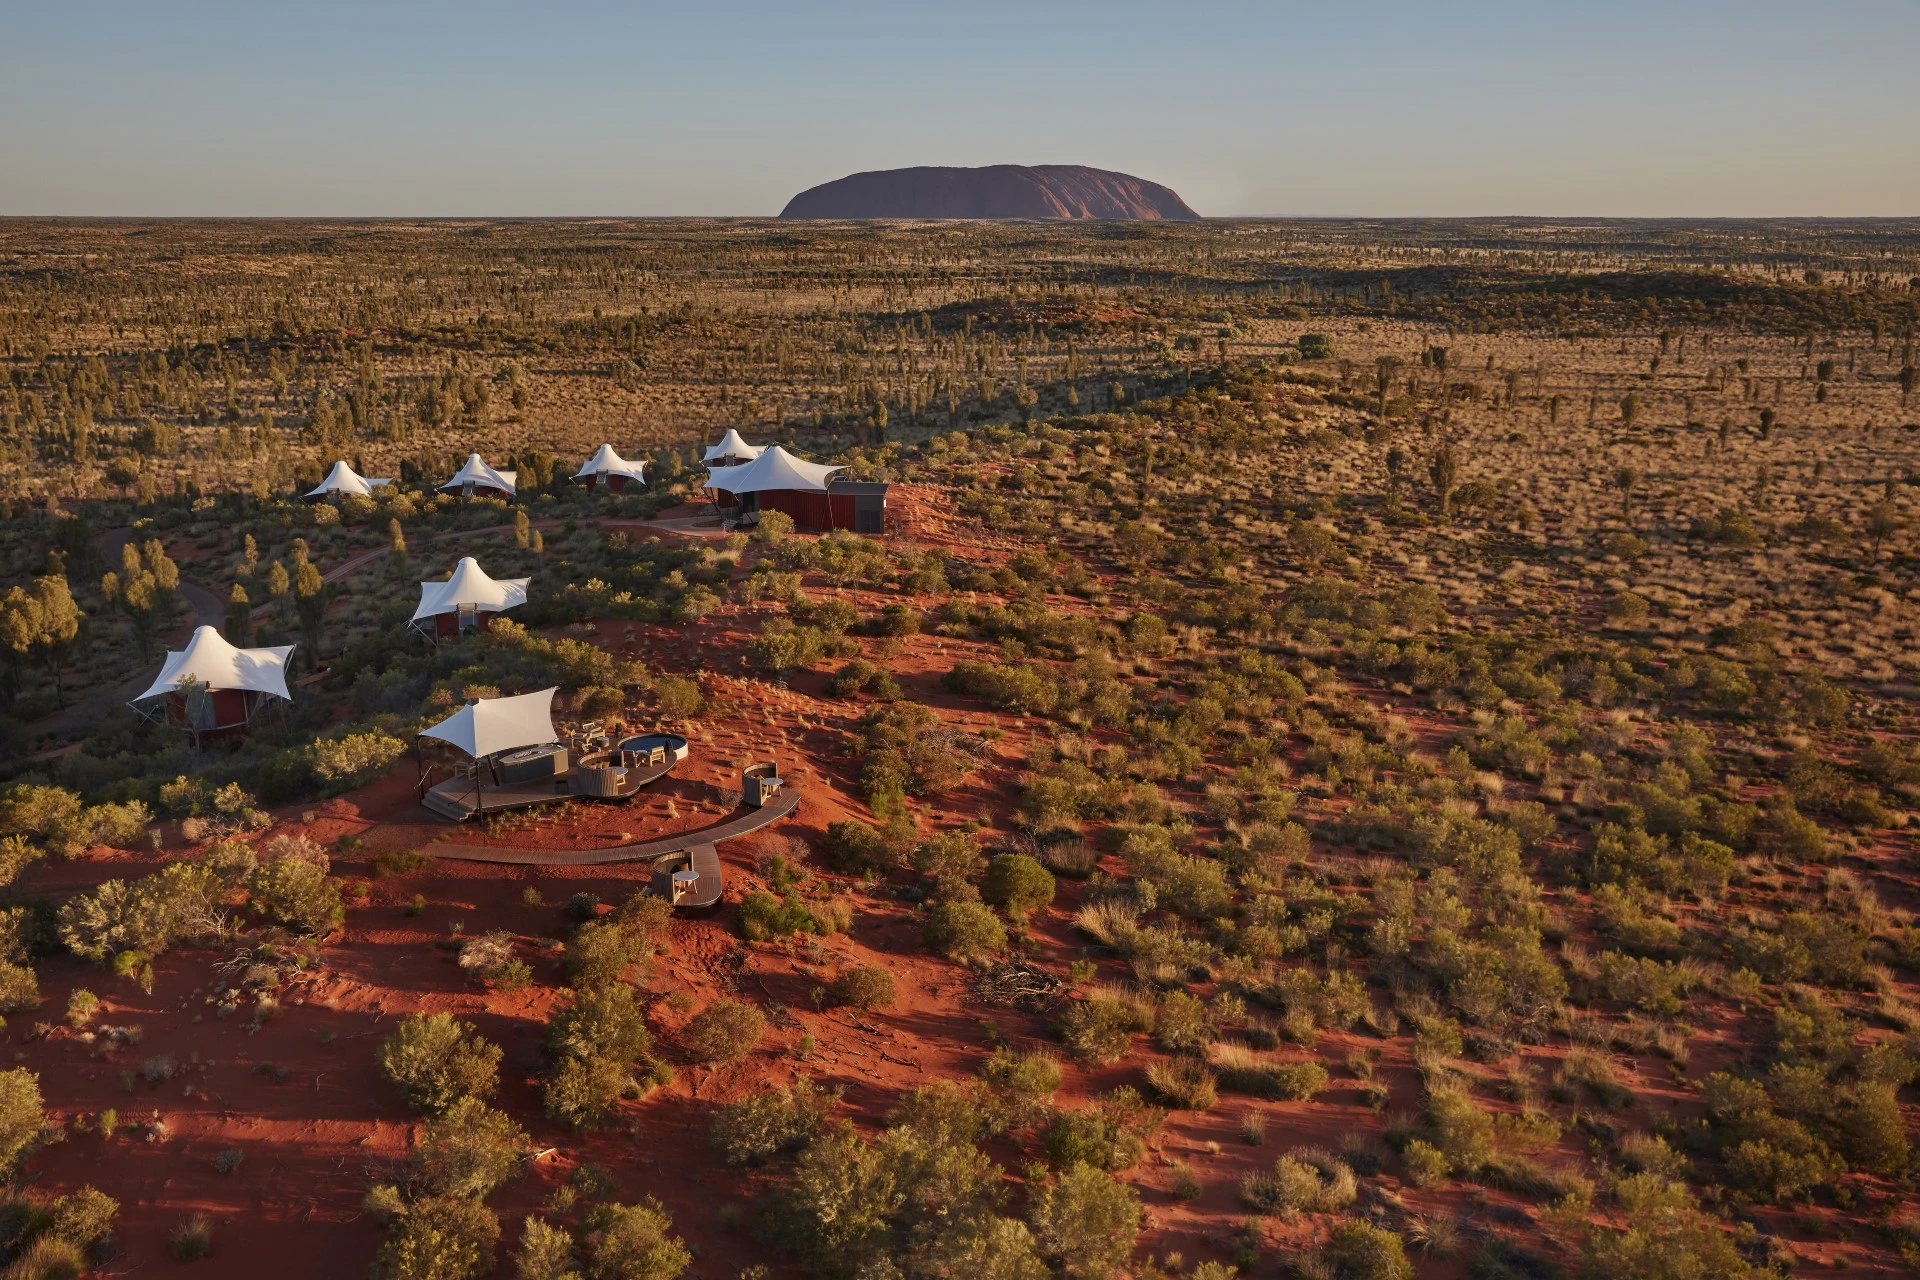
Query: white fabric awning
(493, 725)
(344, 479)
(470, 586)
(478, 473)
(210, 661)
(773, 469)
(732, 446)
(607, 462)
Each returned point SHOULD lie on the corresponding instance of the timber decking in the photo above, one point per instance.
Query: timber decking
(454, 798)
(748, 820)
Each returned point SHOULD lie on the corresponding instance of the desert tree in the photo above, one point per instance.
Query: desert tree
(1444, 470)
(310, 601)
(239, 626)
(1626, 480)
(1883, 521)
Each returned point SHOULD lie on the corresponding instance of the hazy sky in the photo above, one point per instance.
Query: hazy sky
(1397, 107)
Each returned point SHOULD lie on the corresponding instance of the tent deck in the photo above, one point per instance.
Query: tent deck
(455, 798)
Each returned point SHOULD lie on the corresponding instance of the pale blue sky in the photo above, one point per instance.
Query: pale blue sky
(1395, 107)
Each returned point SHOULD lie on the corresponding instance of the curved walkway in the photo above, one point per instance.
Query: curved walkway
(747, 821)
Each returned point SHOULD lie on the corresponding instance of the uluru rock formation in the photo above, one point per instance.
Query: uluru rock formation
(993, 191)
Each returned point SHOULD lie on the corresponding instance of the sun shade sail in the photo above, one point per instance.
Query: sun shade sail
(480, 475)
(774, 469)
(493, 725)
(344, 479)
(209, 661)
(472, 588)
(732, 446)
(608, 463)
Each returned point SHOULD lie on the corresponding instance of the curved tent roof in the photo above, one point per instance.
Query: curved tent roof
(344, 479)
(732, 446)
(209, 660)
(607, 462)
(477, 472)
(493, 725)
(470, 585)
(773, 469)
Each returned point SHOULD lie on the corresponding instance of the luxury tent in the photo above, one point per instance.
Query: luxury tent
(465, 602)
(608, 470)
(212, 689)
(514, 756)
(478, 480)
(342, 481)
(778, 481)
(731, 451)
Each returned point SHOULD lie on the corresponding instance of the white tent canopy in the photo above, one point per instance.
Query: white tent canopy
(493, 725)
(608, 463)
(209, 661)
(732, 446)
(773, 469)
(480, 475)
(470, 587)
(344, 479)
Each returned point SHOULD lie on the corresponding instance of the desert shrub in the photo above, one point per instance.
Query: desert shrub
(44, 1237)
(854, 847)
(765, 916)
(19, 987)
(1361, 1251)
(1426, 1164)
(437, 1060)
(1183, 1083)
(1100, 1028)
(347, 762)
(837, 1211)
(601, 951)
(1192, 886)
(964, 931)
(439, 1238)
(865, 986)
(21, 1116)
(1458, 1128)
(1182, 1024)
(1086, 1222)
(1018, 1086)
(678, 698)
(861, 676)
(1305, 1180)
(182, 902)
(545, 1252)
(82, 1004)
(1584, 1072)
(54, 819)
(469, 1150)
(594, 1041)
(192, 1239)
(1666, 1237)
(725, 1031)
(296, 892)
(762, 1125)
(1246, 1072)
(1023, 690)
(951, 854)
(631, 1242)
(1110, 1134)
(1017, 884)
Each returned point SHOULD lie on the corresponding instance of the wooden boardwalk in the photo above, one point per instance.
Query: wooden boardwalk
(745, 821)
